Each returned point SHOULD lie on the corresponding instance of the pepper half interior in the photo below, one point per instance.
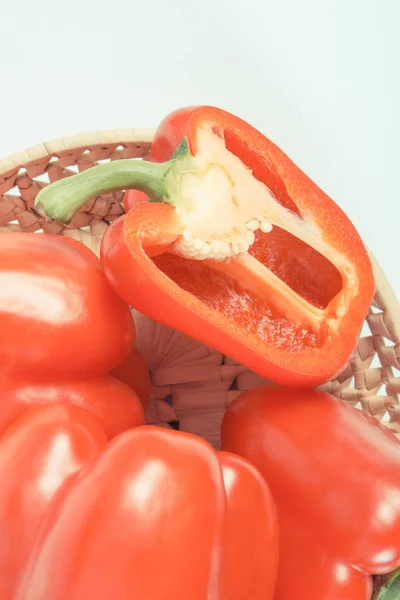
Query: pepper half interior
(260, 263)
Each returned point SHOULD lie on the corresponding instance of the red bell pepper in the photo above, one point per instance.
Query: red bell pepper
(251, 538)
(307, 570)
(62, 329)
(134, 372)
(39, 453)
(112, 401)
(237, 248)
(334, 473)
(158, 515)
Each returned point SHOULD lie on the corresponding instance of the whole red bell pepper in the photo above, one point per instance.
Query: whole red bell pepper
(307, 570)
(62, 329)
(334, 472)
(134, 372)
(251, 540)
(39, 453)
(158, 515)
(237, 248)
(113, 402)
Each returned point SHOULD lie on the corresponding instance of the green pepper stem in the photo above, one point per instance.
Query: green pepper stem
(387, 587)
(62, 199)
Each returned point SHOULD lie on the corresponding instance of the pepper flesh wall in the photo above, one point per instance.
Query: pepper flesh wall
(221, 205)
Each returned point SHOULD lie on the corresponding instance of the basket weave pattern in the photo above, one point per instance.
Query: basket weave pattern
(192, 384)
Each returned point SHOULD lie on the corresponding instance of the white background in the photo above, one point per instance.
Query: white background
(320, 78)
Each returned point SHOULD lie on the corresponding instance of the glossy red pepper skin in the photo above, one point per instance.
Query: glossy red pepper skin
(332, 469)
(57, 304)
(62, 329)
(39, 453)
(252, 537)
(151, 518)
(192, 296)
(307, 570)
(134, 372)
(114, 403)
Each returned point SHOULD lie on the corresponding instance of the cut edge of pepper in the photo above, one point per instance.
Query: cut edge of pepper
(308, 368)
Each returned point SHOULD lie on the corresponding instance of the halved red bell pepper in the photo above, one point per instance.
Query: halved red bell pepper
(39, 453)
(237, 248)
(62, 329)
(334, 473)
(158, 515)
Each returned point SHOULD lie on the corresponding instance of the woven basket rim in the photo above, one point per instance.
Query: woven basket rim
(36, 153)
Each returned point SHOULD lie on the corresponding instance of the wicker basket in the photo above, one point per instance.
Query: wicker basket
(192, 383)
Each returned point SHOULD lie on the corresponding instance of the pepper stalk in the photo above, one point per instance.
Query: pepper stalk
(387, 587)
(62, 199)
